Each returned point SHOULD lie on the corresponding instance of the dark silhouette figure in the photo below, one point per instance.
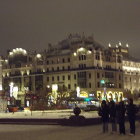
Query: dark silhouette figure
(104, 113)
(77, 111)
(131, 112)
(121, 117)
(77, 119)
(112, 113)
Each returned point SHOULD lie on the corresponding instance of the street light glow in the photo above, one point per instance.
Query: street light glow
(109, 45)
(120, 44)
(127, 45)
(38, 55)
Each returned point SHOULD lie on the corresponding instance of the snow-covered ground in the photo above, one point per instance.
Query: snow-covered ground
(52, 114)
(56, 132)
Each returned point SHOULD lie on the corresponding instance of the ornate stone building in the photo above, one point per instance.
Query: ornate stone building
(76, 63)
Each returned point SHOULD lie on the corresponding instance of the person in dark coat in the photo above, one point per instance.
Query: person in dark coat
(131, 112)
(104, 113)
(121, 117)
(112, 113)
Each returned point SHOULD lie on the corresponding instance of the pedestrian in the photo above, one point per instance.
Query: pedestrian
(121, 117)
(131, 112)
(104, 113)
(112, 114)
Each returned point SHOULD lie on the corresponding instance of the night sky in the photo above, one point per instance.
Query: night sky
(32, 24)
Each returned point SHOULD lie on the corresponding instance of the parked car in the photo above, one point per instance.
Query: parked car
(91, 108)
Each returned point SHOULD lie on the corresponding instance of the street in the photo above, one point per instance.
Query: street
(56, 132)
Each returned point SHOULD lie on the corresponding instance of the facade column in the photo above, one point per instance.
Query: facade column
(101, 62)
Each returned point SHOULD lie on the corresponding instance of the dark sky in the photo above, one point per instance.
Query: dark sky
(32, 24)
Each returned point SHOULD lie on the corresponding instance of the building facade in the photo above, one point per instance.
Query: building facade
(78, 64)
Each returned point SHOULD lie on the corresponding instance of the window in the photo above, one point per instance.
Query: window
(68, 77)
(119, 77)
(58, 78)
(48, 79)
(82, 57)
(63, 68)
(120, 86)
(102, 75)
(63, 77)
(47, 62)
(52, 78)
(98, 84)
(38, 70)
(52, 69)
(89, 76)
(52, 62)
(63, 60)
(89, 85)
(47, 69)
(108, 67)
(119, 59)
(97, 57)
(64, 87)
(69, 87)
(98, 75)
(84, 65)
(75, 76)
(58, 68)
(68, 67)
(68, 59)
(75, 85)
(109, 75)
(81, 66)
(82, 75)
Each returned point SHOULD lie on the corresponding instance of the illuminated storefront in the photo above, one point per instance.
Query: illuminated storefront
(110, 95)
